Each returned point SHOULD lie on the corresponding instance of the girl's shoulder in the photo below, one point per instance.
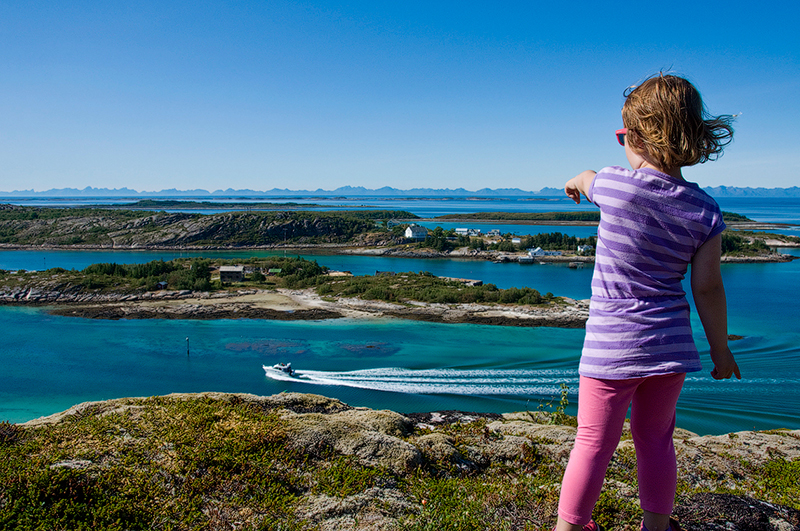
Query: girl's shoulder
(618, 182)
(648, 177)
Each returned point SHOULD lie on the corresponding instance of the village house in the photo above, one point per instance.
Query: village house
(541, 252)
(416, 232)
(583, 249)
(231, 273)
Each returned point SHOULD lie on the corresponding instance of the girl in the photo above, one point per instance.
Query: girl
(638, 345)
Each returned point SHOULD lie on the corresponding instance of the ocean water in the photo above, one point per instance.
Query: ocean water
(50, 363)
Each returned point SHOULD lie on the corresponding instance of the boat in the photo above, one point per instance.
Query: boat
(285, 368)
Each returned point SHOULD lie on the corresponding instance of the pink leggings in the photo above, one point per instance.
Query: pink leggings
(602, 406)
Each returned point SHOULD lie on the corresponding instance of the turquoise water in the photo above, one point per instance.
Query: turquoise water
(556, 278)
(54, 362)
(50, 363)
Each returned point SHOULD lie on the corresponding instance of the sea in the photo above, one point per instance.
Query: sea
(50, 363)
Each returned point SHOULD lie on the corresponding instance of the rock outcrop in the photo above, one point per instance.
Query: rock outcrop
(724, 479)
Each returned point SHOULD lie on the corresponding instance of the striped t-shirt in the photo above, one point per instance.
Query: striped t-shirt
(651, 225)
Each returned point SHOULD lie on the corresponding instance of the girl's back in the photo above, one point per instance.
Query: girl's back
(650, 228)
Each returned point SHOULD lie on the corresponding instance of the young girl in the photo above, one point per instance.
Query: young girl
(638, 344)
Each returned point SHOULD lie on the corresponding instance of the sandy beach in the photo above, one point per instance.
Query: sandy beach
(284, 304)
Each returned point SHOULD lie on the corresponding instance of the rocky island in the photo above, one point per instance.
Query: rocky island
(296, 289)
(302, 462)
(352, 231)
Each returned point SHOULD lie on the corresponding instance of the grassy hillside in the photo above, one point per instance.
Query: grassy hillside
(306, 462)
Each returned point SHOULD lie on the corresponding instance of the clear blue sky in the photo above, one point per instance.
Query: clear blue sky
(306, 95)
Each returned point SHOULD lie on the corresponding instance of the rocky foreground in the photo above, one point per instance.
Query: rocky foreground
(298, 461)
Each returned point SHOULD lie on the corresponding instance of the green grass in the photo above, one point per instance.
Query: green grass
(174, 464)
(203, 463)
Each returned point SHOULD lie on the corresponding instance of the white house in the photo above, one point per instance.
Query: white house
(585, 249)
(541, 252)
(416, 232)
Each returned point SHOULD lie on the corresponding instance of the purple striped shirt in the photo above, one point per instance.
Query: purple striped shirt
(651, 225)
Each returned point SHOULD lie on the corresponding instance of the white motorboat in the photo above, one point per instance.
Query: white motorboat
(285, 368)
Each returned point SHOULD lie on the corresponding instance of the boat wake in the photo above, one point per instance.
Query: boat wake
(441, 381)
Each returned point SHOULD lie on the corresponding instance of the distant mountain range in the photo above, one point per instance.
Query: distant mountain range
(360, 191)
(733, 191)
(344, 191)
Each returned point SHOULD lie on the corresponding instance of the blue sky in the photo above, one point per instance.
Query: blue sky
(307, 95)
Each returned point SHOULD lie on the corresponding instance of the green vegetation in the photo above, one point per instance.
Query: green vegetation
(556, 241)
(733, 244)
(272, 272)
(732, 217)
(179, 274)
(761, 235)
(162, 463)
(779, 480)
(171, 468)
(161, 204)
(197, 276)
(232, 462)
(25, 213)
(112, 227)
(424, 287)
(448, 240)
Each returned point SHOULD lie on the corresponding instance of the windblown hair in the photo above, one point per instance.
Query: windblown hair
(668, 123)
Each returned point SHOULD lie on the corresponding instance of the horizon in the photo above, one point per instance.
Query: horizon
(350, 191)
(324, 94)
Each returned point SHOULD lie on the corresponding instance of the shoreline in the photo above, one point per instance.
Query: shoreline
(287, 304)
(394, 251)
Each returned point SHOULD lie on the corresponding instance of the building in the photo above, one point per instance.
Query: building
(541, 252)
(231, 273)
(584, 249)
(416, 232)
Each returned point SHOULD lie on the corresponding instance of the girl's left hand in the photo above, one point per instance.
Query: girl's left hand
(724, 365)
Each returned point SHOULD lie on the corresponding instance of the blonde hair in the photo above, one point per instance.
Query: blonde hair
(668, 123)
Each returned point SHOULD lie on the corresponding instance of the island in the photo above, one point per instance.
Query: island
(285, 288)
(388, 232)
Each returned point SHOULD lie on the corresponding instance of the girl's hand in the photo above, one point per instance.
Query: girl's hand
(579, 185)
(724, 365)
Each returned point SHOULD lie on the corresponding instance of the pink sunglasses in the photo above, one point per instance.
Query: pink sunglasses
(621, 135)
